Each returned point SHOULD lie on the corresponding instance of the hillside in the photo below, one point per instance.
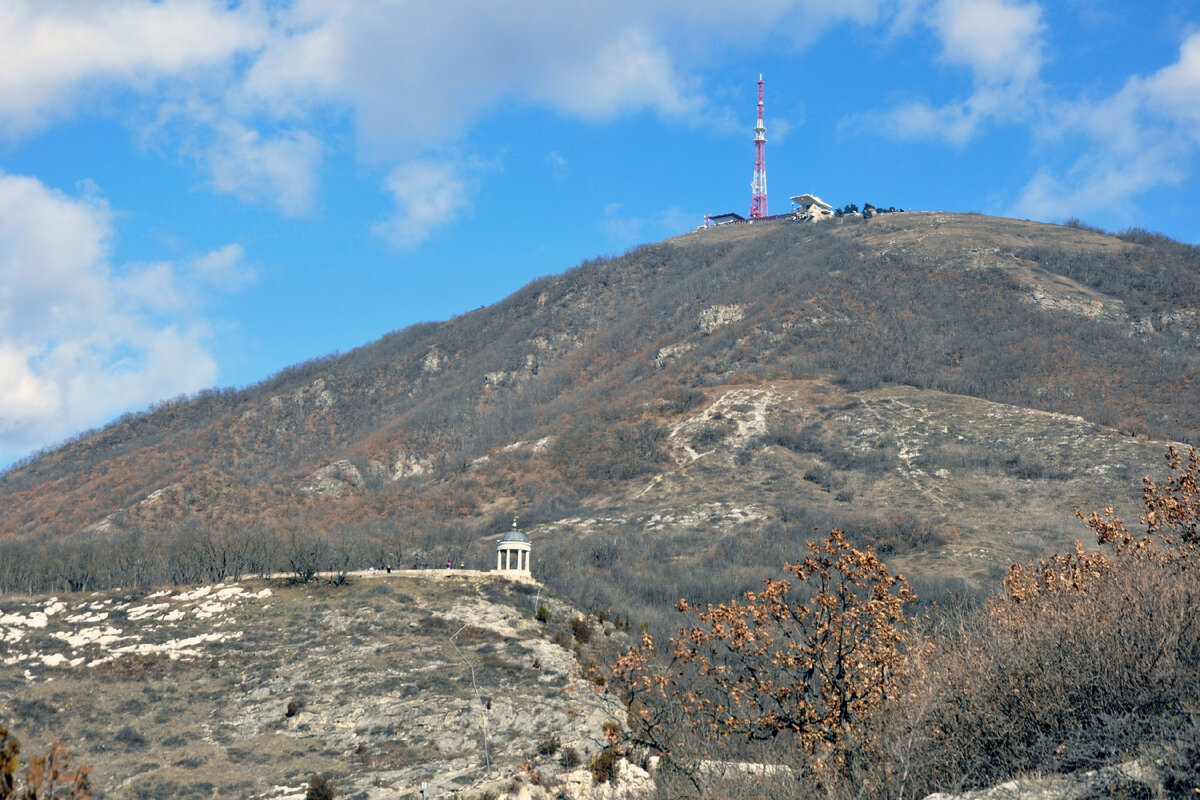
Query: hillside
(946, 387)
(246, 689)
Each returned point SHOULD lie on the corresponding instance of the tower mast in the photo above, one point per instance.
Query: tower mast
(758, 186)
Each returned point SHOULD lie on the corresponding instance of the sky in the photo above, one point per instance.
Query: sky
(199, 193)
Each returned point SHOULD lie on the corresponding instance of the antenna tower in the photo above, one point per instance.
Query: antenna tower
(758, 186)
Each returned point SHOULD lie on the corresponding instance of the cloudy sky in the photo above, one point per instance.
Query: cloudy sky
(197, 193)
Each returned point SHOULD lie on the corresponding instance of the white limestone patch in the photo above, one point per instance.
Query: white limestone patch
(177, 647)
(284, 793)
(197, 593)
(743, 411)
(671, 351)
(11, 625)
(335, 479)
(90, 636)
(53, 635)
(58, 659)
(208, 609)
(148, 610)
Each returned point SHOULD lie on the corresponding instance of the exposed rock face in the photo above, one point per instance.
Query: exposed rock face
(409, 464)
(432, 362)
(670, 351)
(335, 480)
(712, 318)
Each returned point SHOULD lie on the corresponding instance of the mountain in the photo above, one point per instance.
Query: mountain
(676, 420)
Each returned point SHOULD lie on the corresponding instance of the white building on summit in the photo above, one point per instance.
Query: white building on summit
(809, 206)
(512, 553)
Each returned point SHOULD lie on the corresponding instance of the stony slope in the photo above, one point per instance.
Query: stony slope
(245, 689)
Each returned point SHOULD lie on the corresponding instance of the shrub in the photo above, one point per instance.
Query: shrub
(569, 758)
(1086, 659)
(129, 738)
(548, 744)
(581, 629)
(543, 614)
(319, 788)
(677, 401)
(604, 765)
(49, 776)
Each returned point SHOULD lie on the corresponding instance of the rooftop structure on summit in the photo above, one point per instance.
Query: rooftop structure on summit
(723, 219)
(809, 206)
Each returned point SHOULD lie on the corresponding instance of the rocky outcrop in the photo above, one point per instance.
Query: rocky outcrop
(333, 480)
(715, 316)
(1130, 780)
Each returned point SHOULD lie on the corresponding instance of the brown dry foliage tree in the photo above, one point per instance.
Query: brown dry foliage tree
(48, 777)
(1085, 659)
(1172, 517)
(811, 669)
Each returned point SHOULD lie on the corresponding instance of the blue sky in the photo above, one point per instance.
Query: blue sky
(197, 193)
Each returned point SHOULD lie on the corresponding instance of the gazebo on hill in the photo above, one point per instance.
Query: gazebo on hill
(512, 553)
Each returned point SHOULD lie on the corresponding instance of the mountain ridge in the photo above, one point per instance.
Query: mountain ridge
(560, 401)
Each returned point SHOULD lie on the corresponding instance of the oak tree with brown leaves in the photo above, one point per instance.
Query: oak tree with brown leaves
(48, 777)
(810, 667)
(1172, 516)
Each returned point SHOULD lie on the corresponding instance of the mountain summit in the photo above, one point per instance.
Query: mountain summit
(946, 387)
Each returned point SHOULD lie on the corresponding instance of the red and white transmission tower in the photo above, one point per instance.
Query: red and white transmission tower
(758, 187)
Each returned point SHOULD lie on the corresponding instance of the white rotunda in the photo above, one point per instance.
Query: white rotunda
(512, 553)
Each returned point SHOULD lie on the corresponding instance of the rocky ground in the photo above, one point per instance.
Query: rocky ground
(999, 482)
(245, 689)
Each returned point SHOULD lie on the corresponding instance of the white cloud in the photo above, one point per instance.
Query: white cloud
(281, 171)
(79, 341)
(1001, 43)
(153, 287)
(427, 195)
(252, 90)
(51, 53)
(1142, 136)
(224, 267)
(629, 72)
(417, 74)
(1100, 181)
(1174, 92)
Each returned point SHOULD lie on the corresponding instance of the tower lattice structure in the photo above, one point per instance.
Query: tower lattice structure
(758, 186)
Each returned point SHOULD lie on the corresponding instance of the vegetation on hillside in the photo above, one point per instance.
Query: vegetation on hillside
(1085, 659)
(45, 777)
(588, 370)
